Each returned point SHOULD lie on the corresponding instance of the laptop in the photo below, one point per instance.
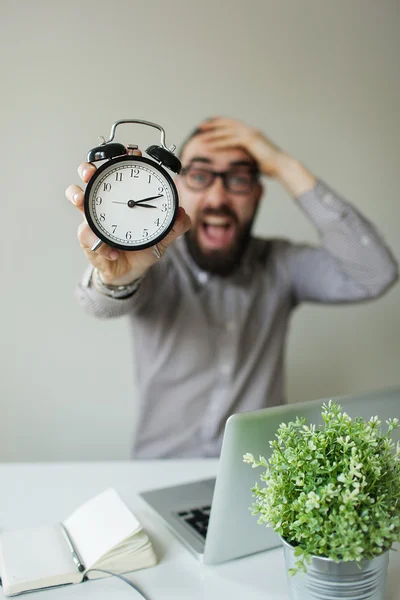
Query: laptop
(212, 517)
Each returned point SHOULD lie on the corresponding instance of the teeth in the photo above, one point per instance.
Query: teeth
(217, 223)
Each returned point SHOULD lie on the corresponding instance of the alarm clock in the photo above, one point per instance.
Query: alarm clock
(131, 202)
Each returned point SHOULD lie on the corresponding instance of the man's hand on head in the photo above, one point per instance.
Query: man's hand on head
(221, 133)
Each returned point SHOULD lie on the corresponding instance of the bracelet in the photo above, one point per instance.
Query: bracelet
(114, 291)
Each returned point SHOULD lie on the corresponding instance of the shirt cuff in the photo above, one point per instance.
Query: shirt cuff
(323, 205)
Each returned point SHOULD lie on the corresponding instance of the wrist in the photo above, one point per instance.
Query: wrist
(114, 290)
(127, 279)
(294, 176)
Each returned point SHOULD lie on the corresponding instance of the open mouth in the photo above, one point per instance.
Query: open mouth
(217, 232)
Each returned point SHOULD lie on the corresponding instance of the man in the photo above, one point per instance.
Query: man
(209, 318)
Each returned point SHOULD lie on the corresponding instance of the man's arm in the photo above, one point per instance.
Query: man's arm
(117, 281)
(102, 305)
(353, 263)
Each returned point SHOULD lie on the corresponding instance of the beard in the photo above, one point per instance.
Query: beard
(222, 262)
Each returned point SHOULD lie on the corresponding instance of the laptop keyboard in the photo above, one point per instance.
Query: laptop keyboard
(197, 519)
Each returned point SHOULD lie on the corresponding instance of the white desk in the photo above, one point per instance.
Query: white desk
(40, 494)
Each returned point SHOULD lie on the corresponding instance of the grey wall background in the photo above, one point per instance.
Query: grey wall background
(320, 78)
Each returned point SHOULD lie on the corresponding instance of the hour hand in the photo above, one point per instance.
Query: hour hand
(133, 203)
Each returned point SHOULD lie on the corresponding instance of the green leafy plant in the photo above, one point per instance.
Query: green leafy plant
(332, 491)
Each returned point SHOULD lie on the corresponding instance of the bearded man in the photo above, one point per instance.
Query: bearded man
(209, 317)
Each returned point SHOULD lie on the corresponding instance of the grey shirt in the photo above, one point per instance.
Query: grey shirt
(207, 346)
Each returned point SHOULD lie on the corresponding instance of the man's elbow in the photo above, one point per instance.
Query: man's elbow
(385, 281)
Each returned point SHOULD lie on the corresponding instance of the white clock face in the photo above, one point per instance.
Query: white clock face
(130, 203)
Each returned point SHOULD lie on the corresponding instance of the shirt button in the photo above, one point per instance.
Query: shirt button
(213, 409)
(225, 369)
(202, 277)
(230, 326)
(365, 240)
(328, 199)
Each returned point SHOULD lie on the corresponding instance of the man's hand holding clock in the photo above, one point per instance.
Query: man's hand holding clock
(115, 266)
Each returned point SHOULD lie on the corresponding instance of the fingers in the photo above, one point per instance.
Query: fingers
(223, 142)
(87, 238)
(219, 134)
(221, 139)
(218, 131)
(86, 171)
(103, 255)
(75, 195)
(218, 122)
(181, 225)
(107, 259)
(133, 150)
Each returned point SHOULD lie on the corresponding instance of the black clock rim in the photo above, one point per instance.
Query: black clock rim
(92, 224)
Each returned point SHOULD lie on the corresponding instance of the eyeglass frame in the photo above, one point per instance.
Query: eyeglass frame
(254, 172)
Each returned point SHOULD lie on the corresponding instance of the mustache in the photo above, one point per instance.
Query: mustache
(222, 211)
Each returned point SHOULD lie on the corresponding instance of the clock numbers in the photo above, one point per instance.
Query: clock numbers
(131, 204)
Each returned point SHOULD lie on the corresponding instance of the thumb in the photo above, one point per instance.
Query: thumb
(181, 225)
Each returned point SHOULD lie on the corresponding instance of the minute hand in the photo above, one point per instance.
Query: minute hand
(150, 198)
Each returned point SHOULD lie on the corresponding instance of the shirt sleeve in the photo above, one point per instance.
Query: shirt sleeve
(352, 264)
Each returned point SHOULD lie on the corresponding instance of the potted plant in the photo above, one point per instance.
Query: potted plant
(333, 495)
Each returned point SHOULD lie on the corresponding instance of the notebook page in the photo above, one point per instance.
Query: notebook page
(99, 525)
(35, 557)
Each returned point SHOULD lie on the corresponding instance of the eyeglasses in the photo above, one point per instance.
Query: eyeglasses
(235, 181)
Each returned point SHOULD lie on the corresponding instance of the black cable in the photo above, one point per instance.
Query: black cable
(119, 577)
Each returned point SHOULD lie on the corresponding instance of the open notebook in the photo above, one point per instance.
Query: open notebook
(102, 533)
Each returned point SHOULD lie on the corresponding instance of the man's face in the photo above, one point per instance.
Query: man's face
(222, 213)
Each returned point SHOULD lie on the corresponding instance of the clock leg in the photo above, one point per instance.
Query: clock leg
(156, 251)
(96, 245)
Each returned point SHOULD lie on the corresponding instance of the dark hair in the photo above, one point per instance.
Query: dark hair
(191, 135)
